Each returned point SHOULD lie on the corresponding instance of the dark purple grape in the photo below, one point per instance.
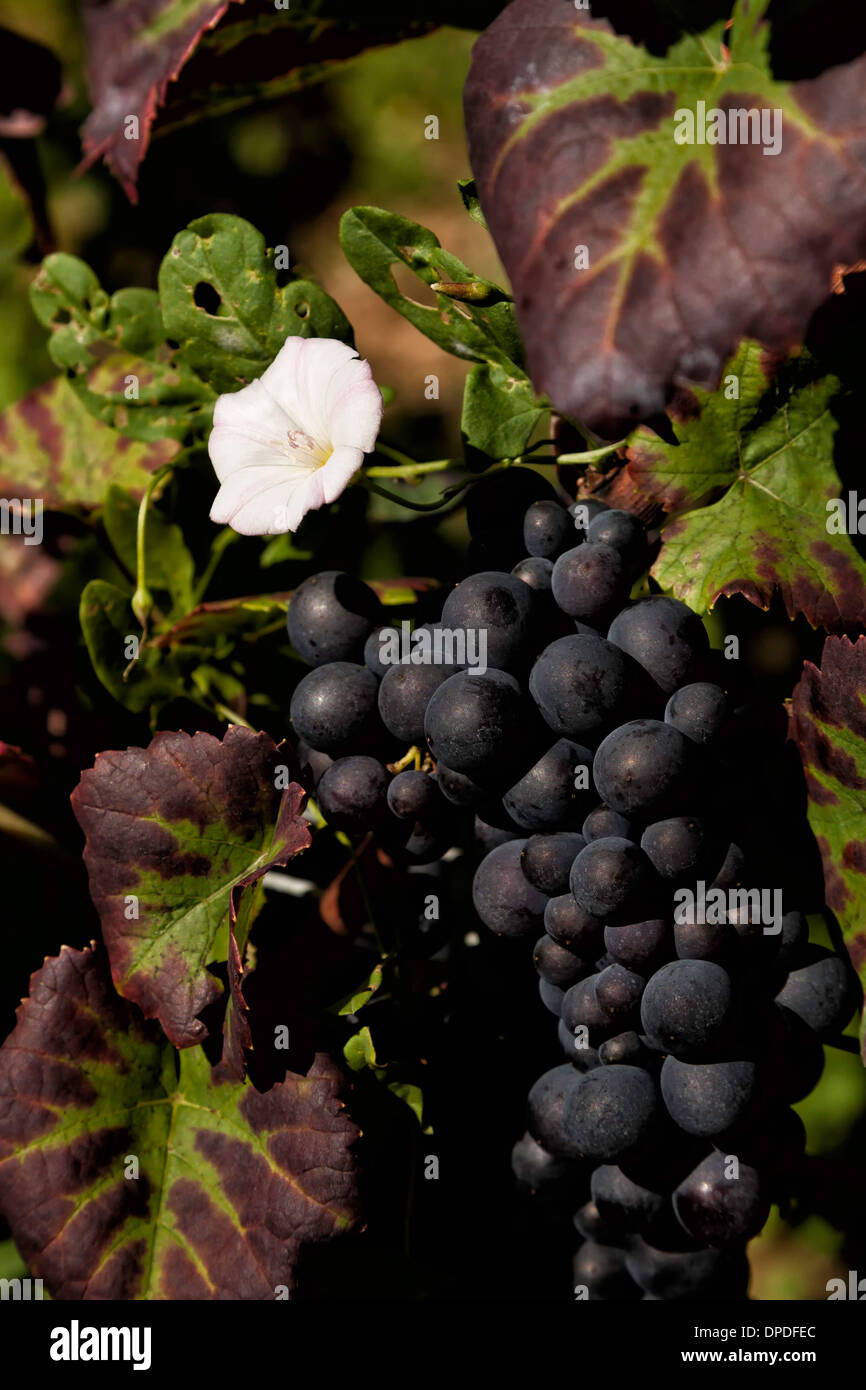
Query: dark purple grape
(414, 796)
(699, 711)
(722, 1200)
(688, 1007)
(535, 572)
(557, 965)
(548, 530)
(610, 1111)
(352, 794)
(568, 925)
(330, 617)
(473, 722)
(553, 794)
(580, 684)
(333, 708)
(609, 876)
(547, 860)
(503, 899)
(663, 635)
(590, 581)
(641, 766)
(706, 1098)
(498, 608)
(603, 822)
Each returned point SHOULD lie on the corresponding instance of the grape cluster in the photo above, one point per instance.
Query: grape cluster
(588, 742)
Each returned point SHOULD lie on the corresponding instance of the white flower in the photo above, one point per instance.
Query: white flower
(293, 439)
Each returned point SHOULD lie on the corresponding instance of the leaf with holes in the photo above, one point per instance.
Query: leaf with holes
(229, 1185)
(51, 448)
(173, 833)
(476, 330)
(115, 353)
(767, 534)
(648, 250)
(828, 724)
(220, 300)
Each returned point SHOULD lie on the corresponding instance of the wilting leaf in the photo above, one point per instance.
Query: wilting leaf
(500, 411)
(52, 448)
(231, 1183)
(373, 241)
(170, 566)
(173, 832)
(116, 354)
(828, 724)
(767, 533)
(638, 261)
(249, 317)
(174, 61)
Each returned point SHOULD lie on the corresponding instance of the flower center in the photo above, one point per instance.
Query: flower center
(298, 440)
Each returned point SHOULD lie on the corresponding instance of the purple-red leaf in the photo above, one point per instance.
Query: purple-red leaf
(173, 832)
(122, 1179)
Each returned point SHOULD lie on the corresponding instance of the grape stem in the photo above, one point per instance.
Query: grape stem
(412, 758)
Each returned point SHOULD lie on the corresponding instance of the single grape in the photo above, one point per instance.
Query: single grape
(618, 993)
(608, 877)
(721, 1202)
(681, 849)
(706, 1098)
(603, 822)
(313, 763)
(663, 635)
(601, 1271)
(683, 1274)
(373, 652)
(715, 941)
(414, 795)
(557, 965)
(624, 532)
(553, 794)
(503, 899)
(568, 925)
(623, 1204)
(548, 530)
(333, 708)
(474, 721)
(580, 684)
(547, 860)
(639, 946)
(486, 836)
(590, 581)
(535, 572)
(352, 794)
(330, 617)
(404, 694)
(610, 1112)
(641, 766)
(457, 788)
(547, 1100)
(498, 608)
(823, 991)
(699, 711)
(539, 1171)
(627, 1049)
(688, 1007)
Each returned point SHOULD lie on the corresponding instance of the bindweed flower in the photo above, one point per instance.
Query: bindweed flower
(294, 438)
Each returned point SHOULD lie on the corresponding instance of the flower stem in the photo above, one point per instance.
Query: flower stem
(142, 601)
(223, 540)
(410, 469)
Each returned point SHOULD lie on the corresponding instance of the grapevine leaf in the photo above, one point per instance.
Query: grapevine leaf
(51, 448)
(768, 533)
(226, 256)
(500, 411)
(115, 353)
(361, 996)
(374, 240)
(641, 258)
(359, 1051)
(828, 724)
(231, 1183)
(173, 832)
(226, 621)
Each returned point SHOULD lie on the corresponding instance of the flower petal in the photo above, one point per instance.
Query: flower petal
(338, 472)
(298, 380)
(260, 501)
(354, 405)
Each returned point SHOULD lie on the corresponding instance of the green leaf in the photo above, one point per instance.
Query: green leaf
(359, 1051)
(173, 832)
(374, 240)
(639, 252)
(52, 448)
(500, 411)
(123, 1176)
(359, 997)
(411, 1095)
(828, 724)
(253, 317)
(768, 533)
(113, 637)
(116, 355)
(472, 203)
(170, 567)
